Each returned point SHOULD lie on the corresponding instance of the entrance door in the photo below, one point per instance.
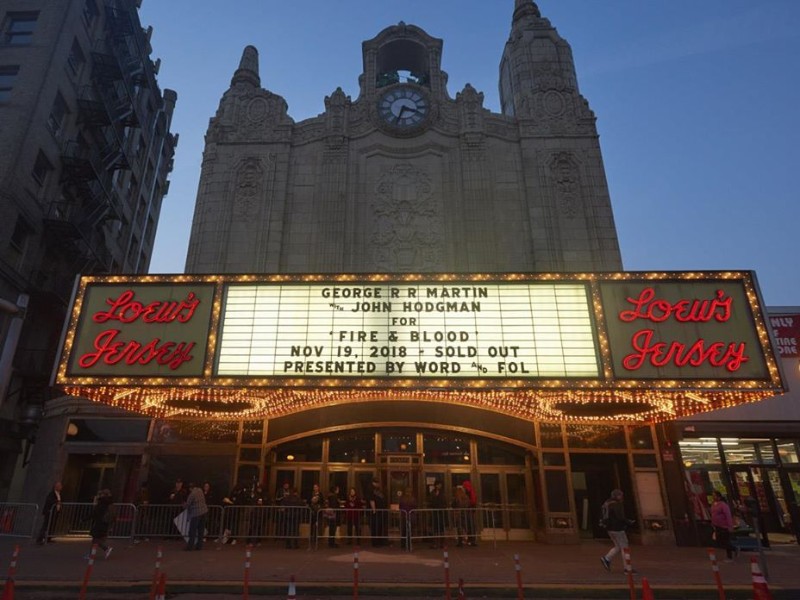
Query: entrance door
(764, 485)
(593, 478)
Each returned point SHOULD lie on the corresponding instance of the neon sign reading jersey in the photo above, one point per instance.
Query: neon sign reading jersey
(398, 330)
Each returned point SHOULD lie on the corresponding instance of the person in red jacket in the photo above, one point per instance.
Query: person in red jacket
(472, 537)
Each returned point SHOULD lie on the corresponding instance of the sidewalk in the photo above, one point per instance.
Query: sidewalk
(572, 571)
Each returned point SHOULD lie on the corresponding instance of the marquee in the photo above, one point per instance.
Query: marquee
(577, 346)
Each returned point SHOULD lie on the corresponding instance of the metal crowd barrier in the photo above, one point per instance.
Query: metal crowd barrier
(440, 526)
(290, 524)
(18, 520)
(75, 519)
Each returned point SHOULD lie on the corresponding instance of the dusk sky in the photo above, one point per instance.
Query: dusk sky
(697, 105)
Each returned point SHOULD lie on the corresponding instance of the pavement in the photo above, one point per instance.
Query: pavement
(56, 571)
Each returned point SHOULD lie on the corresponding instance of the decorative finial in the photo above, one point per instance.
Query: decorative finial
(248, 68)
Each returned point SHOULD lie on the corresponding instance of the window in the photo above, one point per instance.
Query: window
(8, 75)
(55, 122)
(19, 238)
(41, 168)
(19, 28)
(76, 59)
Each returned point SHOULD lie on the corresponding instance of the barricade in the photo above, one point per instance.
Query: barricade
(18, 520)
(88, 573)
(446, 574)
(464, 525)
(246, 588)
(518, 569)
(355, 575)
(380, 527)
(74, 520)
(156, 573)
(252, 524)
(626, 557)
(760, 587)
(712, 556)
(158, 521)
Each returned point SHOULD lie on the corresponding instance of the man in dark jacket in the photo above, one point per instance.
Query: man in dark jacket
(50, 513)
(616, 524)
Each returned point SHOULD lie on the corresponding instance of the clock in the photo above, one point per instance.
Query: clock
(403, 106)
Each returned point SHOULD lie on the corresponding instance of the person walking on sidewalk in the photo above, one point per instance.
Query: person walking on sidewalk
(615, 523)
(722, 522)
(196, 510)
(102, 518)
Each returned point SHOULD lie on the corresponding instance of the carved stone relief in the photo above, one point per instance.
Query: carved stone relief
(406, 222)
(565, 174)
(248, 190)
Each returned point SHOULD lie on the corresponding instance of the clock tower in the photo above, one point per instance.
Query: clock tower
(405, 177)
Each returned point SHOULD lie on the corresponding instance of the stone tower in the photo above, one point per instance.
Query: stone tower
(406, 178)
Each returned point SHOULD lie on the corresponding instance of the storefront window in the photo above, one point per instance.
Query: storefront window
(787, 450)
(445, 449)
(307, 450)
(557, 493)
(195, 431)
(252, 432)
(352, 448)
(399, 442)
(745, 451)
(551, 435)
(641, 438)
(701, 451)
(495, 453)
(595, 436)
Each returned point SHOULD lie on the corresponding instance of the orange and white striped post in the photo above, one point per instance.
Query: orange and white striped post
(292, 590)
(248, 553)
(88, 574)
(355, 574)
(446, 573)
(156, 572)
(8, 588)
(626, 555)
(760, 587)
(712, 556)
(518, 569)
(461, 594)
(161, 592)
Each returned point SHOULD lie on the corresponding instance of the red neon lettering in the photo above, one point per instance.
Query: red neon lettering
(112, 351)
(650, 308)
(127, 310)
(660, 354)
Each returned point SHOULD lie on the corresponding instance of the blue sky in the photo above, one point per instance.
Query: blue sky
(698, 107)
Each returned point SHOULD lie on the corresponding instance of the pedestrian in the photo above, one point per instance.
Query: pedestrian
(408, 503)
(178, 494)
(315, 503)
(438, 505)
(353, 512)
(258, 503)
(332, 515)
(460, 505)
(471, 513)
(722, 522)
(293, 507)
(102, 518)
(615, 523)
(280, 513)
(196, 510)
(50, 513)
(379, 515)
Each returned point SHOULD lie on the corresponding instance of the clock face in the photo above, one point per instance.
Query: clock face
(403, 107)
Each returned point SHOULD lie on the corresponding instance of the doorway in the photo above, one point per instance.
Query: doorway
(593, 478)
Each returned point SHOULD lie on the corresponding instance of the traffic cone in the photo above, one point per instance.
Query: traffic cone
(647, 592)
(292, 592)
(461, 594)
(161, 592)
(760, 587)
(8, 590)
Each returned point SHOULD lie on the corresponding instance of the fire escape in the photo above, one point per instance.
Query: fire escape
(107, 110)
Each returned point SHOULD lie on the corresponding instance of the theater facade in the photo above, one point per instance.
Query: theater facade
(411, 286)
(546, 390)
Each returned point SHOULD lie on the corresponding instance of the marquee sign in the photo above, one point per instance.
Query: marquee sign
(580, 346)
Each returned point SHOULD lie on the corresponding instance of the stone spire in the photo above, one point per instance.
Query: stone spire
(524, 9)
(248, 68)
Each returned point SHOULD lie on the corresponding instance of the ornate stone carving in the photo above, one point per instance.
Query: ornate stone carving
(565, 174)
(249, 185)
(406, 228)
